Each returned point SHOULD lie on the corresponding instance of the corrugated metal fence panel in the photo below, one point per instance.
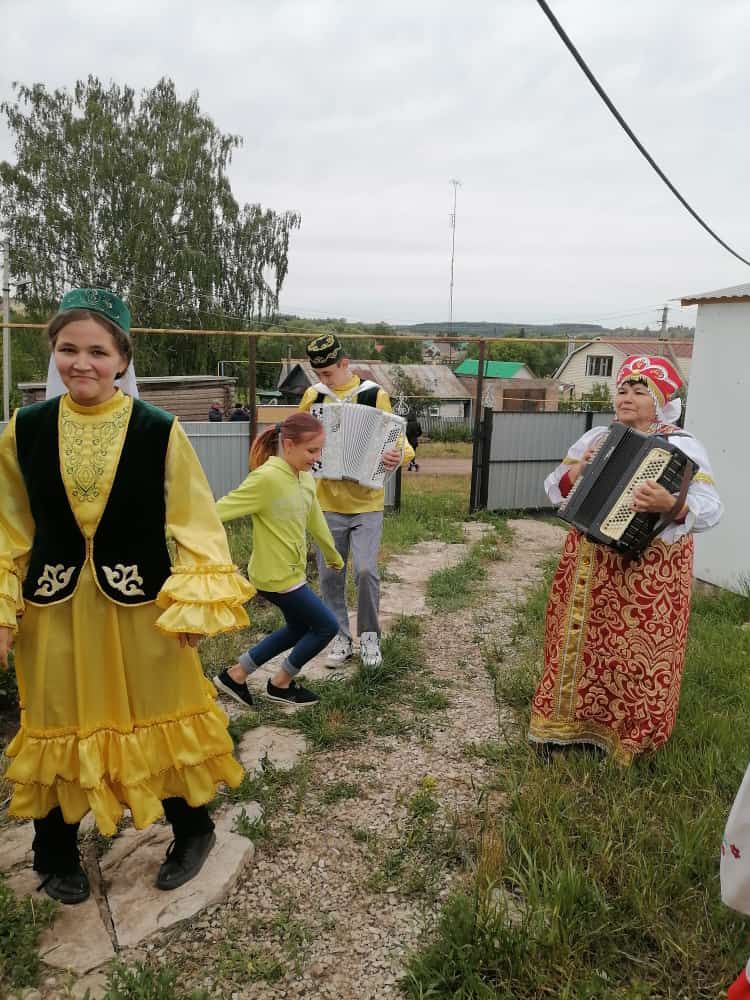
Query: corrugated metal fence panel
(223, 451)
(525, 448)
(518, 485)
(534, 437)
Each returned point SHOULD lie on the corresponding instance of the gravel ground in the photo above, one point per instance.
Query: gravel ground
(308, 900)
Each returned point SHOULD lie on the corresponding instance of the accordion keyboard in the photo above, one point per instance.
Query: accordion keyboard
(651, 468)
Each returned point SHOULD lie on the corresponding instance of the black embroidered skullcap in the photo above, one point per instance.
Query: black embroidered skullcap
(325, 350)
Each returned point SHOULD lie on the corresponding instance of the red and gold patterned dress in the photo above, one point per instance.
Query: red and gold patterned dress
(616, 631)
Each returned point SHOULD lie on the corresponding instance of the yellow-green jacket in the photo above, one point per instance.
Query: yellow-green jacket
(283, 506)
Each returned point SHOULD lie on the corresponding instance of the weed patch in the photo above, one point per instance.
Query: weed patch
(427, 844)
(146, 982)
(21, 923)
(339, 791)
(457, 587)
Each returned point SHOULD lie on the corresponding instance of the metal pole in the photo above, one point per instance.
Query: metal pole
(456, 185)
(252, 356)
(6, 330)
(476, 445)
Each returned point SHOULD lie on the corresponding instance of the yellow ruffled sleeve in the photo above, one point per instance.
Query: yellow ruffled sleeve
(205, 593)
(16, 529)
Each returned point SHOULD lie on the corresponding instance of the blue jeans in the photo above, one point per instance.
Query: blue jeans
(309, 627)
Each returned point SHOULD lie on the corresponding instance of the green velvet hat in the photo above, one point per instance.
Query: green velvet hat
(98, 300)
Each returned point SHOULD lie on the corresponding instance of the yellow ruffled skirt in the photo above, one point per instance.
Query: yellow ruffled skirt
(114, 714)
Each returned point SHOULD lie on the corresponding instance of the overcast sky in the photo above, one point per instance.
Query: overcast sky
(358, 115)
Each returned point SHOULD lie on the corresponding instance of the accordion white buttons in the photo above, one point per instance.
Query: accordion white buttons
(356, 438)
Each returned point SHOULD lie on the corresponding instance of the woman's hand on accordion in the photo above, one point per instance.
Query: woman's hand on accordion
(391, 459)
(651, 498)
(577, 468)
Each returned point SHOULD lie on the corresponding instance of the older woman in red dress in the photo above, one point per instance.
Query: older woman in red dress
(616, 629)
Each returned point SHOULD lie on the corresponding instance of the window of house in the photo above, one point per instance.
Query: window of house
(434, 411)
(599, 365)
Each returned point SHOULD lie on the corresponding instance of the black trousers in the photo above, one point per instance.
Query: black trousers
(55, 842)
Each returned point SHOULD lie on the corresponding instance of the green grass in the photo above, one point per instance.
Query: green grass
(601, 882)
(424, 515)
(371, 701)
(21, 924)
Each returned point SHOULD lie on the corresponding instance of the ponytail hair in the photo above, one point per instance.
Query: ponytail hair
(296, 427)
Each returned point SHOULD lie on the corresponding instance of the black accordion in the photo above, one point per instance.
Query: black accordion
(600, 503)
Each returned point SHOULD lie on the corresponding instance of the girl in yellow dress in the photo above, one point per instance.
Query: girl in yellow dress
(115, 709)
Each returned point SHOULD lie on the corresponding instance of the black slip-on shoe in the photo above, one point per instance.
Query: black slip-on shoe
(185, 858)
(227, 685)
(70, 888)
(295, 694)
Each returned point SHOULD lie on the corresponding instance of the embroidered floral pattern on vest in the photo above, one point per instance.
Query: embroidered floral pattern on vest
(126, 579)
(53, 579)
(86, 448)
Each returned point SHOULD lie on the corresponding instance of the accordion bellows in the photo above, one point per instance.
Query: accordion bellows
(600, 503)
(356, 438)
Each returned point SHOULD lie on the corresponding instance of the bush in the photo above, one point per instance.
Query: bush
(458, 431)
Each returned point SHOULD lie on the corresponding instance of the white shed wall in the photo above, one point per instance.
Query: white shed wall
(717, 414)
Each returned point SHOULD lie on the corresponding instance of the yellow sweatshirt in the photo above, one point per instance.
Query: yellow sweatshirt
(342, 496)
(282, 505)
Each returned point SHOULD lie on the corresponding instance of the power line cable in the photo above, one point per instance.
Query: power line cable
(624, 125)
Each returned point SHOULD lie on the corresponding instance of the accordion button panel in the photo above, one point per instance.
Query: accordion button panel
(617, 521)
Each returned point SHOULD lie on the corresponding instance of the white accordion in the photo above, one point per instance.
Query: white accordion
(356, 438)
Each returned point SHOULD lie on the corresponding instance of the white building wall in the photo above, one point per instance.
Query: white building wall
(717, 414)
(448, 408)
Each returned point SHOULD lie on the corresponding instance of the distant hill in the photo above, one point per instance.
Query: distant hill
(507, 329)
(536, 330)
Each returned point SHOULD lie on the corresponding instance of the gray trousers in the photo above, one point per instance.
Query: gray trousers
(359, 533)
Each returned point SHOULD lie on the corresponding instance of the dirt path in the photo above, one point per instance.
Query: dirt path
(441, 467)
(348, 938)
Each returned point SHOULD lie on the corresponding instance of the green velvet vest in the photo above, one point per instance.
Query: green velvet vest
(129, 551)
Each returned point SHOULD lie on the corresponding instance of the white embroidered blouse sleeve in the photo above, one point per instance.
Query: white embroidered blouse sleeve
(704, 504)
(575, 453)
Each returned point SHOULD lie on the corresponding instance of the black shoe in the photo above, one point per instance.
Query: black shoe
(227, 685)
(295, 694)
(70, 889)
(185, 858)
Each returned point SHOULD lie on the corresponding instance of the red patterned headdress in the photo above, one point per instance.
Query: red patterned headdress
(659, 375)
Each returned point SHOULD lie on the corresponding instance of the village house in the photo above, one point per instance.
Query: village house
(448, 398)
(443, 352)
(597, 361)
(512, 386)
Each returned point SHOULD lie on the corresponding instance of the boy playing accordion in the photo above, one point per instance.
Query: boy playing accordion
(354, 513)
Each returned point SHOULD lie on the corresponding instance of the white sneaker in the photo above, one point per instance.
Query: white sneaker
(341, 650)
(369, 649)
